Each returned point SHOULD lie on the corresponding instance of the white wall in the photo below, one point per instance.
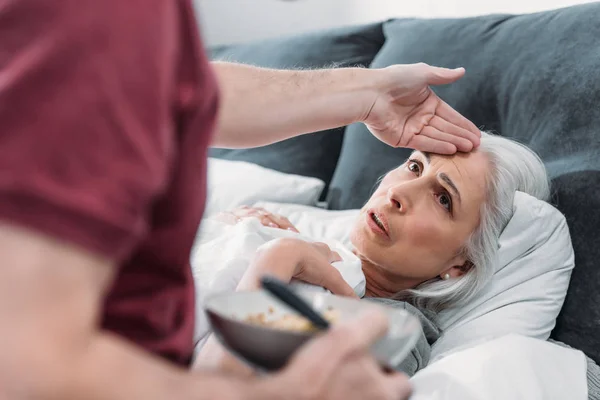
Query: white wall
(232, 21)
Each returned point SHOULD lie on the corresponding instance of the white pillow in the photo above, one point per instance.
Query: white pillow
(235, 183)
(535, 261)
(528, 289)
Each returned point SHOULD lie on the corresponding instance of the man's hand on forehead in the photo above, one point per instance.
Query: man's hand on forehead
(403, 111)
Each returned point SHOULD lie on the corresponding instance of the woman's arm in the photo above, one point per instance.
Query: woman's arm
(261, 106)
(286, 259)
(291, 258)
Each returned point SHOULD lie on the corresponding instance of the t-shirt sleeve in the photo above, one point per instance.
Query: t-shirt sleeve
(85, 131)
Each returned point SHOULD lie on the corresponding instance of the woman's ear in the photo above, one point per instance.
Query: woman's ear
(457, 271)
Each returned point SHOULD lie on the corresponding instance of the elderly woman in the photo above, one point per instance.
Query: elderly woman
(429, 232)
(427, 236)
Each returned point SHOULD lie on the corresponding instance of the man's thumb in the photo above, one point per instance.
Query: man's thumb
(442, 76)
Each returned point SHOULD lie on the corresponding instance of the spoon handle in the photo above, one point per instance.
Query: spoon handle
(282, 291)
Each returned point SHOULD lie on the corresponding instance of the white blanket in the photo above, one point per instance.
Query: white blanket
(511, 367)
(223, 252)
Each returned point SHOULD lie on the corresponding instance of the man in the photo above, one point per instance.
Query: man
(107, 108)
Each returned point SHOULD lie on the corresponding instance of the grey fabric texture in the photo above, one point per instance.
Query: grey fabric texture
(593, 374)
(532, 77)
(419, 356)
(593, 377)
(309, 155)
(577, 195)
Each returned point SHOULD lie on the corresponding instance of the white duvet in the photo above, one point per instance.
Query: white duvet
(511, 367)
(223, 252)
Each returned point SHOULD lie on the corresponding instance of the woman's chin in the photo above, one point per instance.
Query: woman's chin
(353, 236)
(365, 246)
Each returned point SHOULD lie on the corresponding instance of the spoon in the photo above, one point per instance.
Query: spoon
(282, 291)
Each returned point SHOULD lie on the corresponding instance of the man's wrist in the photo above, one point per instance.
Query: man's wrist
(270, 388)
(359, 88)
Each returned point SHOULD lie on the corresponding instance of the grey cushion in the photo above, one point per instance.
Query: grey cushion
(533, 77)
(310, 155)
(577, 195)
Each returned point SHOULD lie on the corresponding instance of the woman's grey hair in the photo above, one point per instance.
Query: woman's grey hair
(513, 167)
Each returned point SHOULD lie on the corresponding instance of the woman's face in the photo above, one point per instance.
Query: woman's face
(415, 225)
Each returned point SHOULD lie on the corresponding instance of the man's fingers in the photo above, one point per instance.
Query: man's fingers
(445, 126)
(448, 113)
(360, 333)
(424, 143)
(398, 386)
(443, 76)
(461, 144)
(342, 341)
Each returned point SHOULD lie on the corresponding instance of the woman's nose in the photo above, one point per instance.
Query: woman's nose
(396, 198)
(403, 196)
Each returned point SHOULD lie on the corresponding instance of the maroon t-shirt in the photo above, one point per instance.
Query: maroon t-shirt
(106, 109)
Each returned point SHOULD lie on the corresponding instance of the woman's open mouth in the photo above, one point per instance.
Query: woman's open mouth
(377, 223)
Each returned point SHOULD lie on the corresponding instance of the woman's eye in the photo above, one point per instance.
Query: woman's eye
(414, 167)
(446, 201)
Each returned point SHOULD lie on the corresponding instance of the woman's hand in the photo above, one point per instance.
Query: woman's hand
(403, 111)
(291, 258)
(265, 217)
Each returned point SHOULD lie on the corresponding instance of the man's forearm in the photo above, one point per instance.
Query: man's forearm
(261, 106)
(113, 369)
(215, 357)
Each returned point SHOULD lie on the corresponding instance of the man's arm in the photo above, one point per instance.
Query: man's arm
(52, 349)
(260, 106)
(50, 299)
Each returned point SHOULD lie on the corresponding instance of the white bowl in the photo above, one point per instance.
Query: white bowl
(271, 348)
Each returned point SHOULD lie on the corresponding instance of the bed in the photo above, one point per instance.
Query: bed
(531, 77)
